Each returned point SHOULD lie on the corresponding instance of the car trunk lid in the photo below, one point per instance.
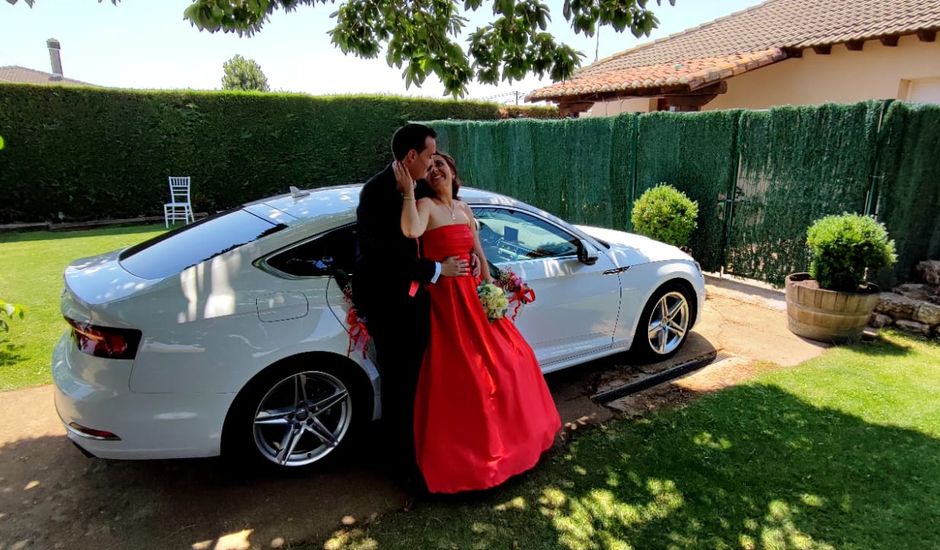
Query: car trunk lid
(95, 281)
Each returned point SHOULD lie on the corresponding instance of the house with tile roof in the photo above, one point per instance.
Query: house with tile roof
(22, 75)
(779, 52)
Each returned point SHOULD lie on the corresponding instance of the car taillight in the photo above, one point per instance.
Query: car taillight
(108, 342)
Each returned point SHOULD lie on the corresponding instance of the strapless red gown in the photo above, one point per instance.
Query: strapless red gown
(483, 412)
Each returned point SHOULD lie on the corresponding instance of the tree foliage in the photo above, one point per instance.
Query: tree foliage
(421, 34)
(243, 74)
(13, 311)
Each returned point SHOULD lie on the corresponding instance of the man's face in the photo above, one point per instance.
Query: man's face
(419, 163)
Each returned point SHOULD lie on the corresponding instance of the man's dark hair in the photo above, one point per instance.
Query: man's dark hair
(410, 136)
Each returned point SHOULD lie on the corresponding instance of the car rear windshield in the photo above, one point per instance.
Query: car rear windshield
(174, 251)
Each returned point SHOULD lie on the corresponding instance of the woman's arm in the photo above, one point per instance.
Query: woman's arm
(414, 213)
(477, 247)
(415, 216)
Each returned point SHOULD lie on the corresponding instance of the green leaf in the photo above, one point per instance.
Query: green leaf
(508, 46)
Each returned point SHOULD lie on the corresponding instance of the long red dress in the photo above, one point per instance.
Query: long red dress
(483, 412)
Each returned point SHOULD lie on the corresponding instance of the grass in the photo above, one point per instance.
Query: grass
(840, 452)
(33, 264)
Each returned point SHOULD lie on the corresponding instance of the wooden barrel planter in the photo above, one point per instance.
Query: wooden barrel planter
(827, 315)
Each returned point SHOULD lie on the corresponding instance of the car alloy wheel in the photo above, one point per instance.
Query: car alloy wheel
(302, 418)
(668, 323)
(664, 323)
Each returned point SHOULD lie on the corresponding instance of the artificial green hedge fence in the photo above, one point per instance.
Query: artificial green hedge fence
(908, 183)
(760, 177)
(83, 153)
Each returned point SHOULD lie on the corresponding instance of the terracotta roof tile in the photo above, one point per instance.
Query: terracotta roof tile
(695, 73)
(741, 41)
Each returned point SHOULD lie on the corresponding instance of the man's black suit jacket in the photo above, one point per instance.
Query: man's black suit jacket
(386, 261)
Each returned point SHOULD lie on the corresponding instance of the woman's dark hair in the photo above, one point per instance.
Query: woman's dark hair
(410, 136)
(423, 189)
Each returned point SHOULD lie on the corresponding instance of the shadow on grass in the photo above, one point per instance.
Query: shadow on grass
(10, 353)
(28, 236)
(752, 466)
(883, 346)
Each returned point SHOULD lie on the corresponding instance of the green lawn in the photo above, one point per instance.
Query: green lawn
(33, 264)
(840, 452)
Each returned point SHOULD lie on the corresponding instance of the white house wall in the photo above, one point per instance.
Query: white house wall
(908, 71)
(876, 72)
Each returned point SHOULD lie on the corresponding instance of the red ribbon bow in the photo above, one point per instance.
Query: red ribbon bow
(521, 295)
(358, 333)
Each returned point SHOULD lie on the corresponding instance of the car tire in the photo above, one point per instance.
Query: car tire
(299, 416)
(655, 340)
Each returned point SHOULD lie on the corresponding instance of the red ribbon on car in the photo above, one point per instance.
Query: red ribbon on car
(358, 333)
(521, 295)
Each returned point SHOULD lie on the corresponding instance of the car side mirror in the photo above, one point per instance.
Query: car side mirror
(584, 254)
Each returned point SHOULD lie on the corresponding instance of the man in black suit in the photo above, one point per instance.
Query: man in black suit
(388, 289)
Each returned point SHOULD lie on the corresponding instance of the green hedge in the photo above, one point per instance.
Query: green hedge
(567, 167)
(797, 164)
(760, 177)
(84, 153)
(909, 198)
(695, 153)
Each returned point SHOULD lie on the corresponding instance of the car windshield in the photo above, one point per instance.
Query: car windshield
(176, 250)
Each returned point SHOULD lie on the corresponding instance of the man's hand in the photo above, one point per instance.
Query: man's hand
(455, 267)
(475, 265)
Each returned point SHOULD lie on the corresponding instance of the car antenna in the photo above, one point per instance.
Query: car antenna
(296, 193)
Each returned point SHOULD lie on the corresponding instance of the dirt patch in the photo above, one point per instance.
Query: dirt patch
(746, 326)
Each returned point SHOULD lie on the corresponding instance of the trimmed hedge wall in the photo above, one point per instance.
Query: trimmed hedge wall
(760, 177)
(84, 153)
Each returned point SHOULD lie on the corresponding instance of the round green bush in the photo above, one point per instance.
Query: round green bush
(844, 246)
(666, 214)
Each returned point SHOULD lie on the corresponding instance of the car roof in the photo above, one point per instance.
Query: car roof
(341, 200)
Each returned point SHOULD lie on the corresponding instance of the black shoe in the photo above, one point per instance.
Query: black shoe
(414, 485)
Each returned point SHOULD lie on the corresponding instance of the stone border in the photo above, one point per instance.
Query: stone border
(913, 307)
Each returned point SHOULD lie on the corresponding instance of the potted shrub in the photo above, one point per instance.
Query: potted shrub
(833, 302)
(666, 214)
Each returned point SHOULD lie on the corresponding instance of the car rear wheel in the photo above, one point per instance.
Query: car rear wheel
(665, 323)
(297, 418)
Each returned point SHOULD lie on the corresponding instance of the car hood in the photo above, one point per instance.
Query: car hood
(635, 248)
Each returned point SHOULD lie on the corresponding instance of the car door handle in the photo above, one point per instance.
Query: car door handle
(616, 270)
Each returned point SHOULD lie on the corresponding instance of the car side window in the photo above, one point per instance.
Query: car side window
(511, 236)
(333, 253)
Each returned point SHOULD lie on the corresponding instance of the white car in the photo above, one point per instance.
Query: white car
(229, 335)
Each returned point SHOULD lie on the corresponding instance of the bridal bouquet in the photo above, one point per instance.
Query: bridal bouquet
(518, 292)
(494, 300)
(507, 289)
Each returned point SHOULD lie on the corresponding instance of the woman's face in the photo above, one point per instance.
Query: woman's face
(440, 177)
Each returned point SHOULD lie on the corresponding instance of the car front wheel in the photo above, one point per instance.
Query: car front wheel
(664, 323)
(297, 418)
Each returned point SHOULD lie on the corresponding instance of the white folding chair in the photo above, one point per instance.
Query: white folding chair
(179, 208)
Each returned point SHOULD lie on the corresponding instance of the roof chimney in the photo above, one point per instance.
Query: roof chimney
(55, 58)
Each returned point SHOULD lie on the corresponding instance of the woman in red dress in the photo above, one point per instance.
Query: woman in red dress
(483, 412)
